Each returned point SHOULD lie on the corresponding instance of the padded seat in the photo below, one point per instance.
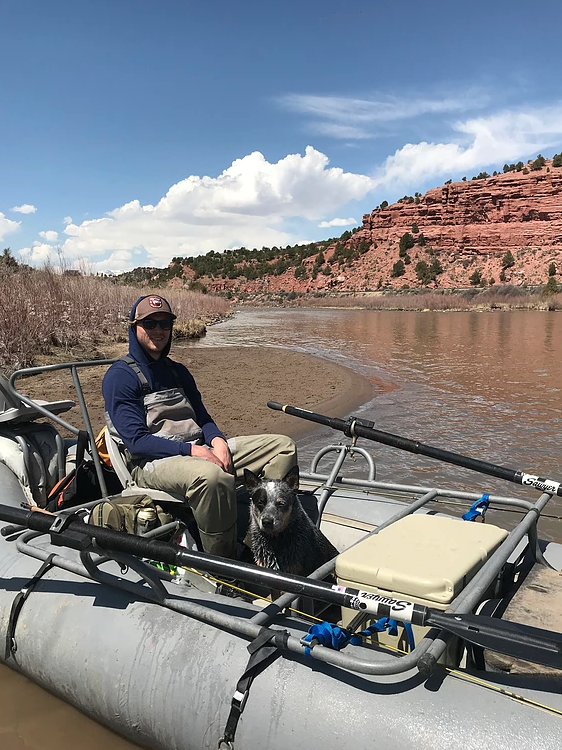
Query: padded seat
(115, 449)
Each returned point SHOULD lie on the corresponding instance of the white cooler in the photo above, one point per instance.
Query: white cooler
(425, 559)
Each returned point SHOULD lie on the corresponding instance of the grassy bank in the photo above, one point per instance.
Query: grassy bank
(45, 314)
(504, 297)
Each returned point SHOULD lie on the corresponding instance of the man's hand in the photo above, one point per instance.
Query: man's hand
(222, 452)
(219, 455)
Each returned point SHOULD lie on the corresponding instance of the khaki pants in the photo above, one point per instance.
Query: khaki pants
(210, 492)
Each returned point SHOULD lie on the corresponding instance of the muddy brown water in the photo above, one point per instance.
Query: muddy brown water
(487, 385)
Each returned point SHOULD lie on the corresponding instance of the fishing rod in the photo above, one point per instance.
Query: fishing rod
(355, 427)
(514, 639)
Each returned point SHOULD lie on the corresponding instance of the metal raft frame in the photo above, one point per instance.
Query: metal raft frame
(363, 660)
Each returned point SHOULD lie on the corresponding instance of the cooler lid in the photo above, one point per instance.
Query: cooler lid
(424, 556)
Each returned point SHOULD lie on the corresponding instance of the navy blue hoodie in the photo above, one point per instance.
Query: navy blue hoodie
(122, 393)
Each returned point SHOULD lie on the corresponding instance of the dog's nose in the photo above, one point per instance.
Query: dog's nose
(267, 522)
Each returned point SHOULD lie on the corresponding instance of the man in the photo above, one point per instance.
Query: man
(155, 407)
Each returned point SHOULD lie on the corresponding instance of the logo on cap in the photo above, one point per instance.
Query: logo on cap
(155, 302)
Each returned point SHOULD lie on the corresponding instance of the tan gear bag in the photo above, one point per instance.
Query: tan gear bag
(135, 514)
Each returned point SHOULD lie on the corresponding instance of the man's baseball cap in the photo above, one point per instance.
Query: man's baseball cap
(150, 305)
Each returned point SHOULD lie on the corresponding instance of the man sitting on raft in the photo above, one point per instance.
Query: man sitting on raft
(154, 405)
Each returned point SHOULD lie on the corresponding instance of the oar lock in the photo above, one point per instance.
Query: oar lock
(349, 427)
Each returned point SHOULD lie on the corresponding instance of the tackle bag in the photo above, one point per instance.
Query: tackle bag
(81, 484)
(135, 514)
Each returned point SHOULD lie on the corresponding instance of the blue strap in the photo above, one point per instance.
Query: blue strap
(337, 638)
(328, 635)
(383, 624)
(478, 508)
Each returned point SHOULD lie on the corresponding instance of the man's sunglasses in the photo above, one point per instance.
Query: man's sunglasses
(149, 324)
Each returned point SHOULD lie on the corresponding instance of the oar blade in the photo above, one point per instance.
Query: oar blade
(510, 638)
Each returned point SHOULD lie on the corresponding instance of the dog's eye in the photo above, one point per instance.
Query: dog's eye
(281, 504)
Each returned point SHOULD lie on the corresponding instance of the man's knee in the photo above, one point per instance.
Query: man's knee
(285, 445)
(182, 474)
(283, 457)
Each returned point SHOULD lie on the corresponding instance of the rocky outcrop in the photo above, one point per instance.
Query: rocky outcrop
(471, 225)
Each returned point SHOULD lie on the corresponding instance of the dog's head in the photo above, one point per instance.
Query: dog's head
(272, 500)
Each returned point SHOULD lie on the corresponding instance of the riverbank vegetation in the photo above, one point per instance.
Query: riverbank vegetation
(52, 314)
(500, 297)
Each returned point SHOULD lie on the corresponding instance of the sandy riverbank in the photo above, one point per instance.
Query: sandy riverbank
(236, 383)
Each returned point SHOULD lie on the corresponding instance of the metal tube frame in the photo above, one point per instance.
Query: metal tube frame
(72, 366)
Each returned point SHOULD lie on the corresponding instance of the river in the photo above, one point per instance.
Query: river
(487, 385)
(483, 384)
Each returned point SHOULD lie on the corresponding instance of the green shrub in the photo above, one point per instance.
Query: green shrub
(435, 268)
(398, 269)
(508, 261)
(406, 243)
(539, 163)
(476, 278)
(422, 272)
(197, 286)
(551, 287)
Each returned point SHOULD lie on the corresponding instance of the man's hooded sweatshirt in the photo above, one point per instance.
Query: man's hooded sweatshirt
(122, 392)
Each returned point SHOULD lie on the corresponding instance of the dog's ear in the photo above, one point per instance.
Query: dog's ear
(292, 478)
(250, 480)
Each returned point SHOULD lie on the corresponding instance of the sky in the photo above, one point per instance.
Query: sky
(135, 131)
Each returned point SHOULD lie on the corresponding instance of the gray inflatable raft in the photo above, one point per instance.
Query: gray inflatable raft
(159, 659)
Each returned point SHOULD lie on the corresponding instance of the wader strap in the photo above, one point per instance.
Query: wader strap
(17, 604)
(146, 389)
(262, 652)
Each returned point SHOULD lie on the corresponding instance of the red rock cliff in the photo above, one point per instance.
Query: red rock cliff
(472, 224)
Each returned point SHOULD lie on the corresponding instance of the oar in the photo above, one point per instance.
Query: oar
(353, 426)
(520, 641)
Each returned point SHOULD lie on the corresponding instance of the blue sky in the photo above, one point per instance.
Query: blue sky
(132, 131)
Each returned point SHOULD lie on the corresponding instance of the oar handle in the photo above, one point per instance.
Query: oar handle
(355, 427)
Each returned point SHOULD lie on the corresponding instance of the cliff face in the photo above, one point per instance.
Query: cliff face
(471, 225)
(467, 226)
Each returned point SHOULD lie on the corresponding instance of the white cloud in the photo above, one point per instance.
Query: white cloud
(245, 205)
(67, 220)
(338, 223)
(7, 226)
(25, 208)
(352, 118)
(39, 254)
(49, 235)
(480, 142)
